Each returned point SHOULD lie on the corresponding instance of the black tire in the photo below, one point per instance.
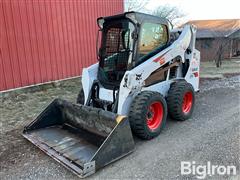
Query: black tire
(179, 109)
(139, 114)
(80, 97)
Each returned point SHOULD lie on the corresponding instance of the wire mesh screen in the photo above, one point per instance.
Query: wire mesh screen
(116, 52)
(113, 44)
(116, 48)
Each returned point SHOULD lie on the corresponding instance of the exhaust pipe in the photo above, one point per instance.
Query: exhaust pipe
(82, 138)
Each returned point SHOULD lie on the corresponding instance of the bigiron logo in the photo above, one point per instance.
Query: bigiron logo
(202, 171)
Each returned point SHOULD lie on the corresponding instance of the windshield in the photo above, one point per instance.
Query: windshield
(115, 50)
(153, 38)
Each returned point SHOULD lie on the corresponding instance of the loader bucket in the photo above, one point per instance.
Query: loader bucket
(81, 138)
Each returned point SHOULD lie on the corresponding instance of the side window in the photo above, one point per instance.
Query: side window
(152, 36)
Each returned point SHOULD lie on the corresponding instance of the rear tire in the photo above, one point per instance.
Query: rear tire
(80, 97)
(181, 100)
(148, 114)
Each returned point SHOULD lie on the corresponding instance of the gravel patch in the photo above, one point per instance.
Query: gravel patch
(212, 134)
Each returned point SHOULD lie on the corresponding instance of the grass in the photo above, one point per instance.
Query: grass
(229, 67)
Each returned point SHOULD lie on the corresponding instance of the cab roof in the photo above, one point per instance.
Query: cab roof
(136, 17)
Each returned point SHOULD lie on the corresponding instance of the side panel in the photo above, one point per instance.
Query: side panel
(192, 75)
(88, 76)
(161, 87)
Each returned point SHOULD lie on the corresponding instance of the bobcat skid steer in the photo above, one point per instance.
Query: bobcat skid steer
(144, 72)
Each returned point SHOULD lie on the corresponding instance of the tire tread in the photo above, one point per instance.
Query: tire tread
(138, 110)
(174, 100)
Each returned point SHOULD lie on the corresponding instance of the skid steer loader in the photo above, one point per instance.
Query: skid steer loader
(144, 72)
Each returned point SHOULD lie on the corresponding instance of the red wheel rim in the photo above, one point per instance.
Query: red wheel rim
(187, 102)
(154, 115)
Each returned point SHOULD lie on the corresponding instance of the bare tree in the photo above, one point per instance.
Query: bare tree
(222, 43)
(135, 5)
(172, 13)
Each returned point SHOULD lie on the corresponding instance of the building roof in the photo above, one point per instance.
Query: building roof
(216, 28)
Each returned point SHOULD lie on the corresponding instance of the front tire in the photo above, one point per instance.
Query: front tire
(148, 114)
(181, 100)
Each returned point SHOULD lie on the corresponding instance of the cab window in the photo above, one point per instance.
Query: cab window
(152, 37)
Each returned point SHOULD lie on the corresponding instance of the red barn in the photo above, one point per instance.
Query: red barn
(48, 40)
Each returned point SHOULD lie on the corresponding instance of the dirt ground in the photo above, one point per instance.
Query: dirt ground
(17, 110)
(212, 134)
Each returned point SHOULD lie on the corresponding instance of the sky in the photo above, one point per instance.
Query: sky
(202, 9)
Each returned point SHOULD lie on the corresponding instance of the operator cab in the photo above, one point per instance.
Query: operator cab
(126, 41)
